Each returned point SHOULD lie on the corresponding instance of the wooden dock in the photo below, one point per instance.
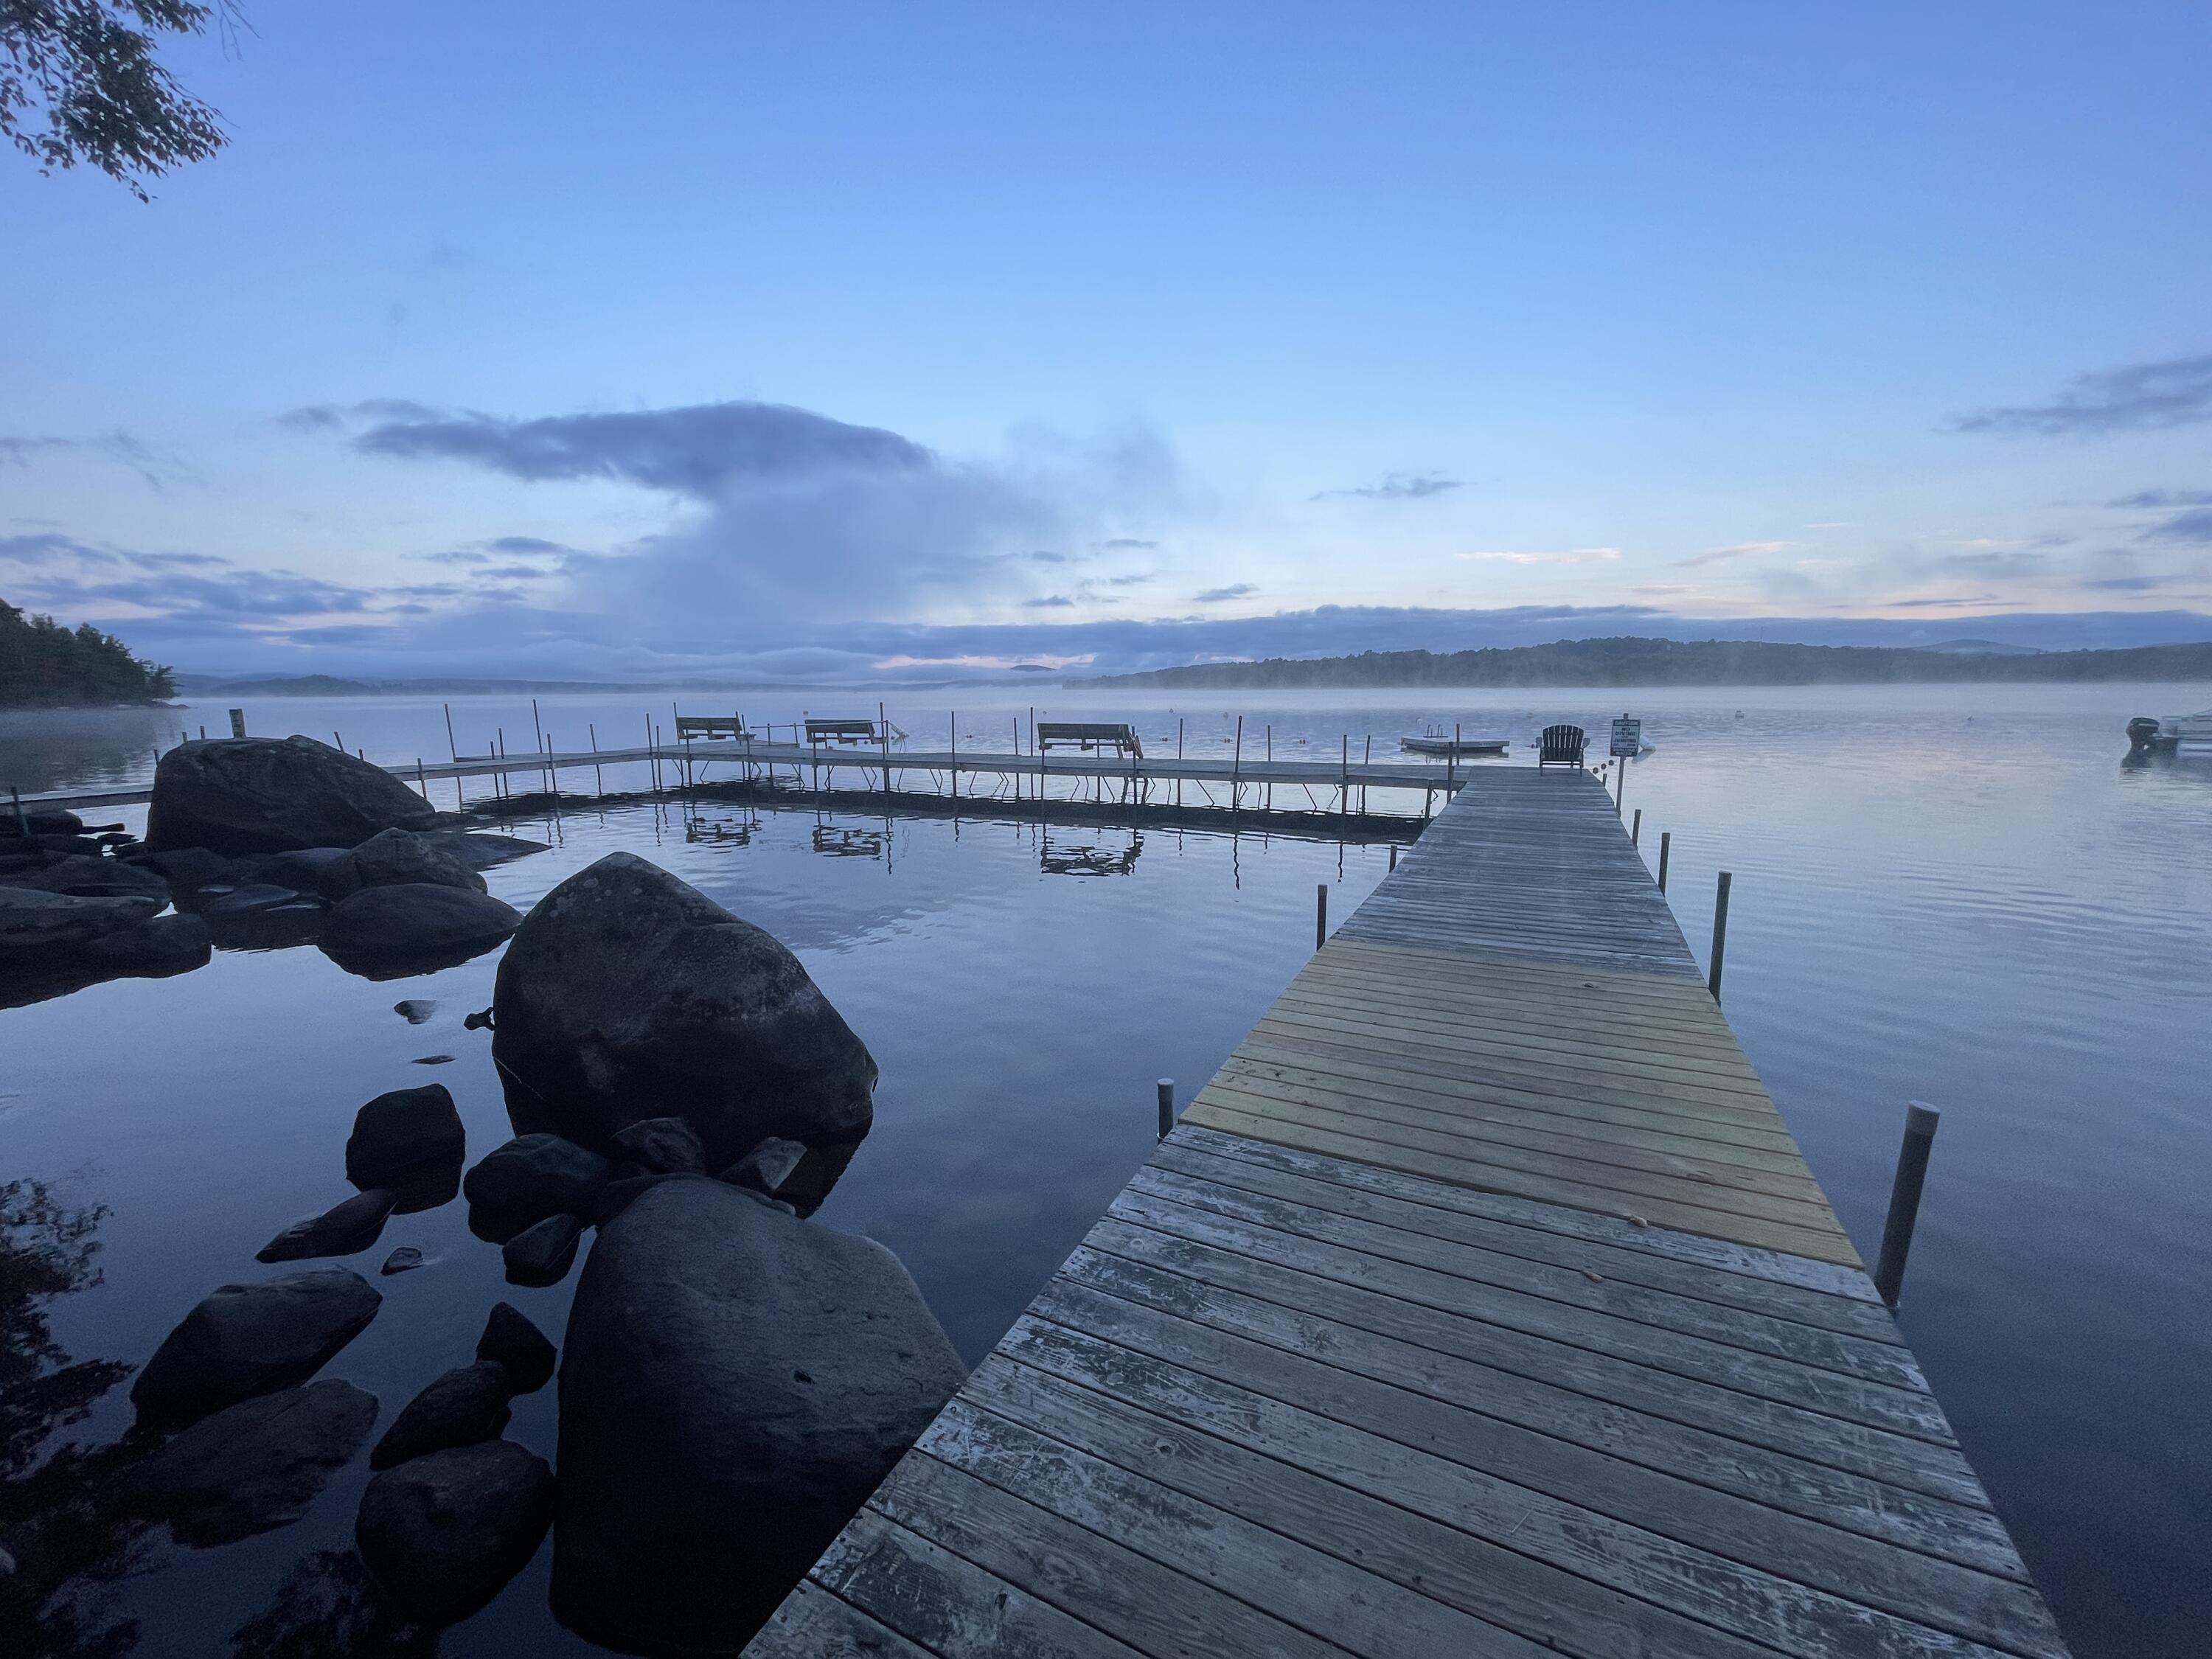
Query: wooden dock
(1482, 1305)
(1239, 781)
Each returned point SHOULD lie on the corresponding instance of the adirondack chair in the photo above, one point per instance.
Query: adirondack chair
(1562, 746)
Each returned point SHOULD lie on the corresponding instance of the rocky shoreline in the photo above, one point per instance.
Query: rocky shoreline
(735, 1378)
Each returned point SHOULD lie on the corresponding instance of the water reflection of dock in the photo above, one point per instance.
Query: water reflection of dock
(1482, 1303)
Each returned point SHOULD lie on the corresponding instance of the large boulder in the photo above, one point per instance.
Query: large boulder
(248, 1340)
(444, 1532)
(255, 1465)
(384, 933)
(629, 994)
(270, 794)
(735, 1384)
(397, 858)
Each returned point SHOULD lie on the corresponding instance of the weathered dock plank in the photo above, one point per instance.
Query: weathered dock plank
(1482, 1303)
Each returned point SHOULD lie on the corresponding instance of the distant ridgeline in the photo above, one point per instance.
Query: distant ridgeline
(1674, 662)
(46, 666)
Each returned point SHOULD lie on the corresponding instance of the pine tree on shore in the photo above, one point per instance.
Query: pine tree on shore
(45, 664)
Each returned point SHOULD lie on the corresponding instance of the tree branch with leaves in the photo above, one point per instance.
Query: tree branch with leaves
(88, 68)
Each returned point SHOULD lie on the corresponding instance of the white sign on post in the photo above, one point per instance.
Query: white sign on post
(1627, 738)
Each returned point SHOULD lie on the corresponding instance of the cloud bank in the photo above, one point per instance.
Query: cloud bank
(2140, 397)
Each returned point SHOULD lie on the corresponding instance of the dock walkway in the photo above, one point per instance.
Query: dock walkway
(1482, 1305)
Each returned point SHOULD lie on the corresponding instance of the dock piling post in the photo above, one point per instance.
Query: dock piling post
(453, 749)
(1665, 841)
(1320, 914)
(22, 822)
(1236, 768)
(1166, 1087)
(1636, 827)
(1920, 1122)
(952, 771)
(1720, 936)
(1393, 856)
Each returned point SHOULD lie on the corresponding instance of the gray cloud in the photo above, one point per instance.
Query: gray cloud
(2125, 584)
(698, 450)
(1127, 543)
(792, 517)
(1396, 487)
(2143, 498)
(157, 468)
(1218, 595)
(49, 547)
(1049, 602)
(2192, 526)
(2140, 397)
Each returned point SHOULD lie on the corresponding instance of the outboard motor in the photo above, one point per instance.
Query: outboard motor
(2142, 735)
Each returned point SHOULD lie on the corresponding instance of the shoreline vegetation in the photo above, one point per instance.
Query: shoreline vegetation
(1643, 662)
(44, 665)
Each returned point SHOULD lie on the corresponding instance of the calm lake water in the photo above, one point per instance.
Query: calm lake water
(1956, 894)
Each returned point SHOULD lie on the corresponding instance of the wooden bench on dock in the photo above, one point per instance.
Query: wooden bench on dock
(847, 733)
(1117, 737)
(690, 727)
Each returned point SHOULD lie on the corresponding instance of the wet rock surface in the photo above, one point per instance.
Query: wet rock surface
(237, 795)
(459, 1408)
(36, 925)
(629, 994)
(735, 1384)
(513, 1342)
(256, 1464)
(660, 1146)
(542, 1254)
(443, 1532)
(247, 1340)
(386, 932)
(398, 858)
(403, 1132)
(155, 950)
(535, 1176)
(344, 1229)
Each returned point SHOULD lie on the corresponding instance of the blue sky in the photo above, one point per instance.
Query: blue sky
(744, 339)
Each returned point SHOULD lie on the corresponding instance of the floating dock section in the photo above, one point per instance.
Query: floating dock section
(1481, 1305)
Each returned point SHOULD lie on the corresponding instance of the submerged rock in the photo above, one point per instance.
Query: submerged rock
(344, 1229)
(416, 1011)
(255, 1465)
(517, 1344)
(480, 851)
(398, 858)
(535, 1176)
(404, 1259)
(459, 1408)
(251, 899)
(661, 1146)
(402, 1132)
(247, 1340)
(542, 1254)
(167, 945)
(327, 1605)
(736, 1382)
(629, 994)
(270, 795)
(384, 932)
(444, 1532)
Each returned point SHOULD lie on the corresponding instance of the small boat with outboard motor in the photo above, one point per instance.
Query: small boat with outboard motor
(1445, 746)
(2172, 734)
